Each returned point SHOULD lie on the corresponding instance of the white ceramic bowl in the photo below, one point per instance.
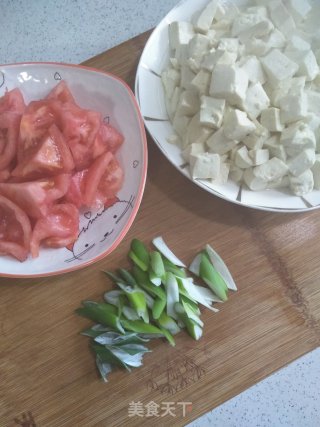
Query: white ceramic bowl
(154, 59)
(100, 231)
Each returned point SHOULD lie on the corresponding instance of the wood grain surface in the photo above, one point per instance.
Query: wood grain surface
(47, 373)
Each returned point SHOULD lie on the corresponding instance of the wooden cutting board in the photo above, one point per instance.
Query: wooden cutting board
(47, 374)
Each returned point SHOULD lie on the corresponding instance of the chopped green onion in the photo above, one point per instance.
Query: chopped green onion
(127, 277)
(158, 307)
(102, 313)
(156, 264)
(137, 300)
(129, 313)
(172, 290)
(212, 278)
(140, 252)
(221, 267)
(192, 327)
(166, 252)
(198, 293)
(142, 278)
(140, 326)
(168, 323)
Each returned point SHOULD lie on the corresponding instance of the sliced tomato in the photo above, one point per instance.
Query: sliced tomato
(12, 101)
(58, 229)
(110, 137)
(76, 188)
(15, 230)
(36, 197)
(61, 93)
(80, 128)
(9, 135)
(103, 180)
(50, 156)
(5, 174)
(35, 123)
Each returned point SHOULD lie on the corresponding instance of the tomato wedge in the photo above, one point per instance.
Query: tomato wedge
(15, 230)
(58, 229)
(50, 156)
(12, 101)
(36, 197)
(109, 137)
(9, 135)
(61, 93)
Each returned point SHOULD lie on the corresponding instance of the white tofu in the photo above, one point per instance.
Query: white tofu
(270, 119)
(226, 10)
(313, 98)
(316, 172)
(252, 66)
(174, 139)
(237, 125)
(279, 183)
(180, 124)
(275, 39)
(194, 64)
(198, 46)
(243, 22)
(192, 150)
(260, 29)
(278, 66)
(302, 184)
(174, 101)
(188, 104)
(205, 19)
(256, 100)
(281, 17)
(196, 132)
(307, 61)
(299, 9)
(297, 43)
(293, 85)
(258, 10)
(256, 46)
(293, 107)
(271, 170)
(180, 33)
(201, 82)
(236, 173)
(205, 166)
(253, 182)
(297, 137)
(303, 161)
(230, 44)
(256, 139)
(313, 121)
(229, 82)
(211, 111)
(223, 173)
(227, 58)
(182, 54)
(186, 76)
(242, 158)
(170, 80)
(276, 149)
(209, 60)
(259, 156)
(219, 143)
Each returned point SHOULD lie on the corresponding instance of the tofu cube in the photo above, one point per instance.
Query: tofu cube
(201, 82)
(205, 19)
(237, 125)
(276, 149)
(313, 98)
(293, 107)
(205, 166)
(253, 68)
(299, 9)
(196, 132)
(192, 150)
(307, 61)
(253, 182)
(281, 17)
(302, 184)
(198, 46)
(278, 66)
(186, 76)
(180, 33)
(297, 137)
(170, 80)
(219, 143)
(271, 170)
(270, 119)
(275, 39)
(230, 83)
(230, 44)
(188, 104)
(302, 162)
(242, 158)
(180, 124)
(259, 156)
(256, 100)
(211, 111)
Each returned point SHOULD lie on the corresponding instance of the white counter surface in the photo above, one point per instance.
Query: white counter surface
(73, 31)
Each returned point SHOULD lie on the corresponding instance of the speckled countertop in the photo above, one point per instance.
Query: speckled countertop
(73, 31)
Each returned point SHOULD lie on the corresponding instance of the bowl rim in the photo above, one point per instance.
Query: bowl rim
(143, 177)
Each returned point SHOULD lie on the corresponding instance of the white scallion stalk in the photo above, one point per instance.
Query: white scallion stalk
(104, 368)
(112, 297)
(195, 265)
(133, 360)
(202, 295)
(192, 315)
(221, 268)
(166, 252)
(130, 313)
(172, 290)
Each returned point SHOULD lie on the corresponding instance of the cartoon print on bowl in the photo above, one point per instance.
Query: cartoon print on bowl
(99, 226)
